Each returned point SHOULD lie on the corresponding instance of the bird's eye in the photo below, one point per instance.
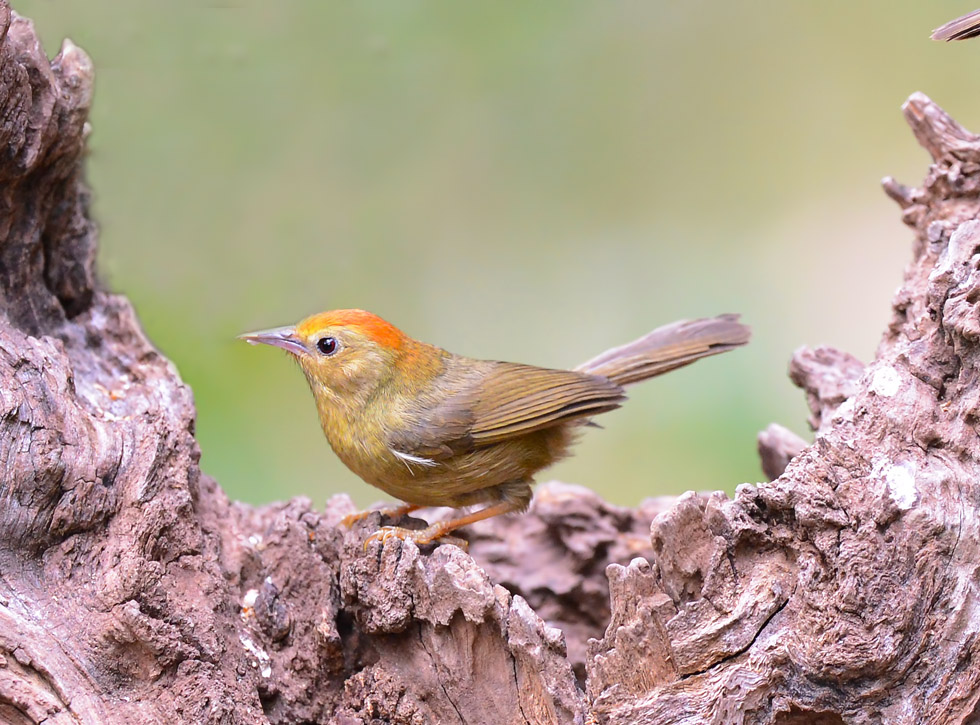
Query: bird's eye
(327, 345)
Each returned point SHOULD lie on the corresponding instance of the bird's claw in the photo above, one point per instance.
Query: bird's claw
(395, 513)
(388, 532)
(428, 535)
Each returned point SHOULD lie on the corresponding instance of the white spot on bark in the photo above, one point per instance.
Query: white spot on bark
(952, 253)
(900, 479)
(250, 597)
(886, 382)
(264, 663)
(845, 411)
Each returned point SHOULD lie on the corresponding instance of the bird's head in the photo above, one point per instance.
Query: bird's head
(345, 354)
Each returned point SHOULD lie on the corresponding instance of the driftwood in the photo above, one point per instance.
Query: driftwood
(133, 591)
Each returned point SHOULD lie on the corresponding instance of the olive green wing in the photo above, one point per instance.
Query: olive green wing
(519, 399)
(490, 402)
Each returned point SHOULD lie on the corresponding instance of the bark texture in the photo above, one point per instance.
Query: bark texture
(133, 591)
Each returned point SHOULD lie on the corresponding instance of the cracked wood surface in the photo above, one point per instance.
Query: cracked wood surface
(133, 591)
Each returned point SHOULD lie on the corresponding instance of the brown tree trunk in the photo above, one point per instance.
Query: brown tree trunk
(133, 591)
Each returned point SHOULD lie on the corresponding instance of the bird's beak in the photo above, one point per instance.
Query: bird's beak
(284, 337)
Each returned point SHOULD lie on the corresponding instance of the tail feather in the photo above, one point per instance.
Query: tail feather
(667, 348)
(967, 26)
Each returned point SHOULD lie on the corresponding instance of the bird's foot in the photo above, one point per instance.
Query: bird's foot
(437, 532)
(441, 529)
(395, 513)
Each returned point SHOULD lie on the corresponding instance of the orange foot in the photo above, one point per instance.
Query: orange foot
(435, 532)
(441, 529)
(394, 513)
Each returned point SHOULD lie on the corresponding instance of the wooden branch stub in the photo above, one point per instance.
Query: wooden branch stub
(46, 271)
(777, 447)
(828, 376)
(949, 195)
(938, 133)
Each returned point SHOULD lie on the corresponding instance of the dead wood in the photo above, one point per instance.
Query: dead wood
(133, 591)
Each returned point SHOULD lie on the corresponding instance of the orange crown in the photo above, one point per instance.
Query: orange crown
(367, 323)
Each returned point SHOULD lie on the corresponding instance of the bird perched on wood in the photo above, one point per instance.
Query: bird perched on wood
(436, 429)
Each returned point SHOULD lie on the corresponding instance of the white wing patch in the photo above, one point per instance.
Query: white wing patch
(409, 459)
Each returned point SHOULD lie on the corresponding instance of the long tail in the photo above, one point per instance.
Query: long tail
(667, 348)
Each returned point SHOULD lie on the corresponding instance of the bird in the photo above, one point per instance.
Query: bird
(966, 26)
(432, 428)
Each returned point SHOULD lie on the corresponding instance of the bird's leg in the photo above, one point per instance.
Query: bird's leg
(442, 528)
(394, 513)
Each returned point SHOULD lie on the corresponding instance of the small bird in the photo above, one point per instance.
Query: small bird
(436, 429)
(962, 28)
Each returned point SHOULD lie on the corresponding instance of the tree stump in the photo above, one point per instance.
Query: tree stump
(133, 591)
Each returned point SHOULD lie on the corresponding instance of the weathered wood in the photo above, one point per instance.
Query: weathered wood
(133, 591)
(843, 591)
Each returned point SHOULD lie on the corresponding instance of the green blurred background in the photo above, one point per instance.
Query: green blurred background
(516, 180)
